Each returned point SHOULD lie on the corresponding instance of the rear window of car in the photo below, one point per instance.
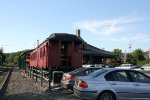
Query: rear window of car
(97, 73)
(77, 70)
(90, 70)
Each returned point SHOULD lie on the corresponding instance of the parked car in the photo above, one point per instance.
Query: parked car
(109, 66)
(138, 68)
(93, 65)
(69, 78)
(113, 84)
(127, 66)
(88, 65)
(146, 67)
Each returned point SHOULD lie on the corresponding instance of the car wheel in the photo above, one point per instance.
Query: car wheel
(106, 96)
(71, 89)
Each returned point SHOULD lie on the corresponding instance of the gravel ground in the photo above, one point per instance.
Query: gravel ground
(21, 87)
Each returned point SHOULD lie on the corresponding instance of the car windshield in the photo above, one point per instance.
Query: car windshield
(97, 73)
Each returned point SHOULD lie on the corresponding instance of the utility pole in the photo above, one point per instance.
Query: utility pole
(125, 56)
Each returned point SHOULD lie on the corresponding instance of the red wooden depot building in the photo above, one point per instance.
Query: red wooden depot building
(62, 51)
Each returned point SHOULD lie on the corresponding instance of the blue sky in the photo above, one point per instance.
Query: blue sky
(107, 24)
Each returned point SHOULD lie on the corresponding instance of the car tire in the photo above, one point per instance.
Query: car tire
(106, 95)
(71, 89)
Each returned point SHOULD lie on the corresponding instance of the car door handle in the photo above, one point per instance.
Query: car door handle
(113, 84)
(136, 85)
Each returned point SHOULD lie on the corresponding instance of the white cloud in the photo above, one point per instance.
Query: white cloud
(123, 39)
(134, 38)
(106, 27)
(141, 37)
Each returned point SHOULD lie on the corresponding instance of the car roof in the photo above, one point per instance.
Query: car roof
(91, 67)
(84, 68)
(115, 69)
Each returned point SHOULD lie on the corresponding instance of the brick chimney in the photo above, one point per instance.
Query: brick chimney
(78, 32)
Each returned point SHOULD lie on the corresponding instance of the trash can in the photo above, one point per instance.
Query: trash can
(57, 76)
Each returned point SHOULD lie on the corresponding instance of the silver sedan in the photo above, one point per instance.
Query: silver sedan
(113, 84)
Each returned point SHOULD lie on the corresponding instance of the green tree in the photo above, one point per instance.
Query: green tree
(2, 56)
(118, 52)
(12, 58)
(138, 54)
(136, 57)
(131, 59)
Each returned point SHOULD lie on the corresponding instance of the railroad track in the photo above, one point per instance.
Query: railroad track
(22, 87)
(2, 70)
(5, 82)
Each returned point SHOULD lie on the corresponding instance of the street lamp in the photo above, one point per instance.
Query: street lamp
(130, 48)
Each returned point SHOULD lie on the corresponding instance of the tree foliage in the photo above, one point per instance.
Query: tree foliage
(2, 56)
(12, 58)
(138, 54)
(136, 57)
(118, 52)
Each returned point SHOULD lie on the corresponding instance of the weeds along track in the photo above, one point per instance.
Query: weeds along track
(5, 82)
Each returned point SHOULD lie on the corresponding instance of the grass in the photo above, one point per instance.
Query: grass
(2, 78)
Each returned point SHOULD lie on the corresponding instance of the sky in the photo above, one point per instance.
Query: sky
(106, 24)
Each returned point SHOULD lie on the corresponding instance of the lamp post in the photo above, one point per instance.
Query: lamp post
(130, 48)
(125, 56)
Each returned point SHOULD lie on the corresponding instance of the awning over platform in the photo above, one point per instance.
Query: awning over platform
(91, 50)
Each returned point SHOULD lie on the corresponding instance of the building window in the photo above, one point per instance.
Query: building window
(44, 51)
